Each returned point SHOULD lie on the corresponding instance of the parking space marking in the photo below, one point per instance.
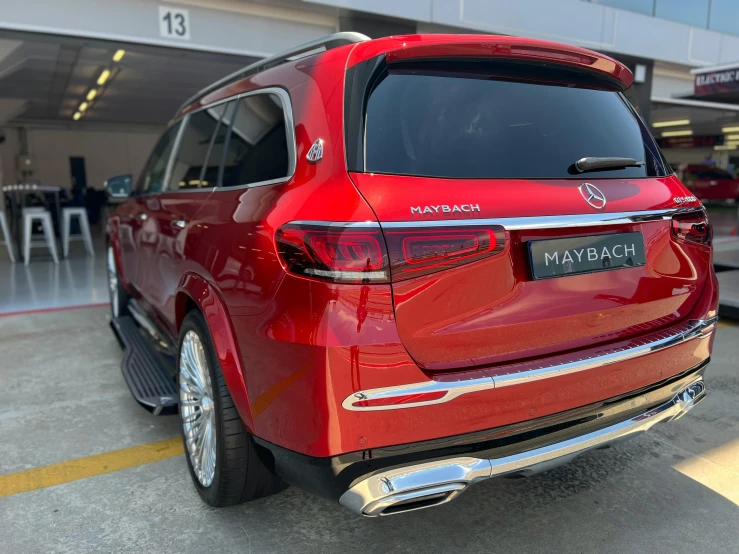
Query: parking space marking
(82, 468)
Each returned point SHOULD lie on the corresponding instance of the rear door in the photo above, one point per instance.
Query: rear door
(136, 233)
(500, 249)
(191, 178)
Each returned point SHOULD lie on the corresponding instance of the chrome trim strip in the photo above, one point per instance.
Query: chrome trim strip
(692, 329)
(342, 224)
(550, 221)
(447, 479)
(148, 325)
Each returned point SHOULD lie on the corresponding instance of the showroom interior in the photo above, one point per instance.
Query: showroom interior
(86, 90)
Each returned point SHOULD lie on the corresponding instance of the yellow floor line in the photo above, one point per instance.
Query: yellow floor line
(82, 468)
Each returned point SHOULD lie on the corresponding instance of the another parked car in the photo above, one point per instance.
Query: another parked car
(384, 270)
(711, 183)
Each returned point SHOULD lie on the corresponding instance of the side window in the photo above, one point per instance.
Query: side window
(256, 149)
(189, 161)
(152, 177)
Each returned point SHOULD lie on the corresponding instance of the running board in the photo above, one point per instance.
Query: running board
(147, 373)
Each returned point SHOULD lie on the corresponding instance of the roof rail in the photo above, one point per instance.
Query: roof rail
(324, 43)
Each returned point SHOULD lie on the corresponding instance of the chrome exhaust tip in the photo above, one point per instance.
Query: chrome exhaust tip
(429, 484)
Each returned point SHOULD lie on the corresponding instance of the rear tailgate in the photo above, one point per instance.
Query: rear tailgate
(445, 144)
(494, 311)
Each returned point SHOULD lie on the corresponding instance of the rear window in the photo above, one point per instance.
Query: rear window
(471, 124)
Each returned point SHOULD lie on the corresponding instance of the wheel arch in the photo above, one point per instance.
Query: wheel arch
(194, 292)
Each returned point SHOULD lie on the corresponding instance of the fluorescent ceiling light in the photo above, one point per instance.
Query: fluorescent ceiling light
(76, 116)
(91, 94)
(118, 56)
(731, 137)
(82, 107)
(685, 133)
(671, 123)
(725, 147)
(730, 129)
(103, 77)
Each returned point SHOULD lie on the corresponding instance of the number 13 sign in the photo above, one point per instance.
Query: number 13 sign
(174, 23)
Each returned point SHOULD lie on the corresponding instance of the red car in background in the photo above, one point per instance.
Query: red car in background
(384, 270)
(711, 183)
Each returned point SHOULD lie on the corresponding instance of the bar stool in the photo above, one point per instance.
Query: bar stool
(44, 216)
(85, 235)
(7, 239)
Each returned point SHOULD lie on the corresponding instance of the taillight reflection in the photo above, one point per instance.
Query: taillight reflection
(414, 252)
(692, 227)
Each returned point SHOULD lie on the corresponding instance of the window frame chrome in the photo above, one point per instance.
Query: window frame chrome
(292, 148)
(287, 110)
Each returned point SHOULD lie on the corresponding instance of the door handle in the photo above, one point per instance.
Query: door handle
(177, 224)
(713, 183)
(142, 216)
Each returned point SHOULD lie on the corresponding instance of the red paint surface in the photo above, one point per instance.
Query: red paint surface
(292, 348)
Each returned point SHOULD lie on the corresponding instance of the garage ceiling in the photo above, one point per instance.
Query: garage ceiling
(51, 75)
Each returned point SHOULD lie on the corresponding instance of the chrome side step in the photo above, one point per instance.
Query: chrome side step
(433, 483)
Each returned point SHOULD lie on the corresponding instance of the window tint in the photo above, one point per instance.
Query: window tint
(475, 124)
(152, 177)
(193, 149)
(256, 149)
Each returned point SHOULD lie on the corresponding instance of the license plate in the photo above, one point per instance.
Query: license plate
(574, 256)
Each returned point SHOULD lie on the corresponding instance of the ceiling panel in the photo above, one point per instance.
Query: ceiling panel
(54, 74)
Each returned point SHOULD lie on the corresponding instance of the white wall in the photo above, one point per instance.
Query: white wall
(106, 153)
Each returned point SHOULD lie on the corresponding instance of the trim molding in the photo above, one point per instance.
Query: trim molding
(523, 373)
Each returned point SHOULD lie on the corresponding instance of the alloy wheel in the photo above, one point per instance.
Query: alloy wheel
(197, 408)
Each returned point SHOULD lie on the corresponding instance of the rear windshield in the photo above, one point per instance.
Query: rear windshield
(471, 124)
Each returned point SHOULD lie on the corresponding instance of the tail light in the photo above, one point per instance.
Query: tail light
(414, 252)
(357, 253)
(692, 227)
(334, 252)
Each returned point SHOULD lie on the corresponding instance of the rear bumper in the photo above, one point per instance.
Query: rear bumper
(416, 475)
(430, 484)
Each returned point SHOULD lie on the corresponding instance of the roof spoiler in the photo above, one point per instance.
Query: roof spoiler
(403, 48)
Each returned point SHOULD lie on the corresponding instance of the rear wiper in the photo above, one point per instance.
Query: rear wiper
(592, 164)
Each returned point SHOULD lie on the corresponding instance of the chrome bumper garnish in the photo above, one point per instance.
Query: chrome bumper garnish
(433, 483)
(522, 373)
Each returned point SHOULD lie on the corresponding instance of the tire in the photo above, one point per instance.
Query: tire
(238, 473)
(118, 296)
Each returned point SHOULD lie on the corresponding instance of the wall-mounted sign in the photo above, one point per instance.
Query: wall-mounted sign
(174, 23)
(716, 82)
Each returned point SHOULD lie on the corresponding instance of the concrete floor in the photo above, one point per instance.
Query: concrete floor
(674, 490)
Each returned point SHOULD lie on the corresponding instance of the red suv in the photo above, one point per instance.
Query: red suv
(383, 270)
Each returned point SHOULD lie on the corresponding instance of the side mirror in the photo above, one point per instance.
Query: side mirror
(119, 186)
